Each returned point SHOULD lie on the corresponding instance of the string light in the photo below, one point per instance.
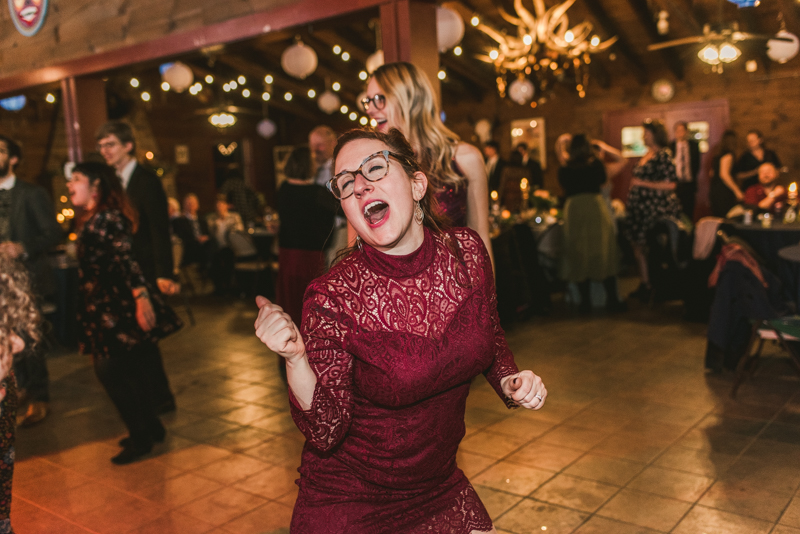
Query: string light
(164, 86)
(268, 78)
(336, 86)
(312, 93)
(146, 96)
(265, 96)
(345, 56)
(209, 79)
(337, 49)
(242, 80)
(344, 109)
(134, 82)
(50, 98)
(457, 51)
(246, 93)
(287, 96)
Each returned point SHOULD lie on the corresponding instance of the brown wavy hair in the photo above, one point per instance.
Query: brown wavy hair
(18, 311)
(110, 195)
(398, 144)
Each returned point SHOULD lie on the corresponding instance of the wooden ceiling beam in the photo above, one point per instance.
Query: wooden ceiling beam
(622, 45)
(670, 58)
(683, 11)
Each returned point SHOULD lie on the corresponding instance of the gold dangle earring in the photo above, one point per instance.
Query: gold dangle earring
(419, 215)
(358, 243)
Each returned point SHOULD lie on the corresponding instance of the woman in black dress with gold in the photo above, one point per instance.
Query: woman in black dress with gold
(118, 310)
(651, 198)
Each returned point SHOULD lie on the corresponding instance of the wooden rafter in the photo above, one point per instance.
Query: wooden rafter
(622, 46)
(645, 16)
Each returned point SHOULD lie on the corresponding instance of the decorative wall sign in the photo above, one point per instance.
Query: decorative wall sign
(28, 15)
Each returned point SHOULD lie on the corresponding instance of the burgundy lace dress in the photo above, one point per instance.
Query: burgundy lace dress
(395, 342)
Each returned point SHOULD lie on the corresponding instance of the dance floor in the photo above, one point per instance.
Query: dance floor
(634, 438)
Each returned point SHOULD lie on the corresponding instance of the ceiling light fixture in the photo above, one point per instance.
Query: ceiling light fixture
(543, 39)
(222, 120)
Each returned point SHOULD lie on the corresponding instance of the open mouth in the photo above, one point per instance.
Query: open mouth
(381, 123)
(375, 211)
(29, 13)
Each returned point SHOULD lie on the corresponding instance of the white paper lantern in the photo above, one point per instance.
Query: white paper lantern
(483, 129)
(328, 101)
(521, 91)
(266, 128)
(783, 51)
(449, 28)
(374, 61)
(299, 60)
(179, 77)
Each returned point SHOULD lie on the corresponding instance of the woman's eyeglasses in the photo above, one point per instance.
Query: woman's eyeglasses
(374, 167)
(379, 101)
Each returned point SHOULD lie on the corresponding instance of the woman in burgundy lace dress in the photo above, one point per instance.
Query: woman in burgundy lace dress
(380, 368)
(400, 96)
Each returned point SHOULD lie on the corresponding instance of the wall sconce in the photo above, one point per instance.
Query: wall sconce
(222, 120)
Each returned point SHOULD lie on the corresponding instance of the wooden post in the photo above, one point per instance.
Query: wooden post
(84, 101)
(408, 29)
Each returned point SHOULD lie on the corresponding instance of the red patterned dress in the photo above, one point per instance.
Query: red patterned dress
(395, 342)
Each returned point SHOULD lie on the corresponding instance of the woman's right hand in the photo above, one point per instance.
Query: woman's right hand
(145, 315)
(276, 330)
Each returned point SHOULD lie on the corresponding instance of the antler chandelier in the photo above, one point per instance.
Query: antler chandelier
(544, 51)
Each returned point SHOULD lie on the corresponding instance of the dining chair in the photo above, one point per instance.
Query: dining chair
(785, 331)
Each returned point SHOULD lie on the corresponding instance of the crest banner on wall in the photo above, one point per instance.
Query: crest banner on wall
(28, 15)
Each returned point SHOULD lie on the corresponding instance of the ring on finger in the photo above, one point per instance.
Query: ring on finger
(538, 396)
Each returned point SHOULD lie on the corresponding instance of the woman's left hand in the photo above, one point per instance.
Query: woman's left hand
(526, 389)
(145, 315)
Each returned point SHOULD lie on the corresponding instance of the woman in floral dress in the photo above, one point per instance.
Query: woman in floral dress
(651, 198)
(118, 310)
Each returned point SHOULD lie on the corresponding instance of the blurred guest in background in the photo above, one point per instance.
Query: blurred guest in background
(686, 154)
(193, 233)
(19, 321)
(766, 195)
(494, 165)
(535, 175)
(756, 154)
(220, 225)
(28, 230)
(724, 192)
(152, 244)
(322, 141)
(651, 198)
(120, 315)
(242, 198)
(590, 239)
(301, 238)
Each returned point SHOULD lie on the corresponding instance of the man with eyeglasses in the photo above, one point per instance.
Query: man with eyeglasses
(28, 231)
(152, 246)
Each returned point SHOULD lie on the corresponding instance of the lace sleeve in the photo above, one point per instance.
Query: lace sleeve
(326, 422)
(503, 361)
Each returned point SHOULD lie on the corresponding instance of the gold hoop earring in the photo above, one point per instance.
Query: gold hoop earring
(419, 215)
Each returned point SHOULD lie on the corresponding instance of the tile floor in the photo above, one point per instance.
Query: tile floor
(634, 439)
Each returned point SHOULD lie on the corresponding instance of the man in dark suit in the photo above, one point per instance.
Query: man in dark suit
(494, 165)
(535, 174)
(686, 153)
(28, 230)
(152, 246)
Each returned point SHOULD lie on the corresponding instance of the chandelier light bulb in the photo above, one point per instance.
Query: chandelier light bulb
(569, 36)
(494, 54)
(663, 22)
(475, 21)
(222, 120)
(527, 39)
(595, 40)
(729, 52)
(709, 54)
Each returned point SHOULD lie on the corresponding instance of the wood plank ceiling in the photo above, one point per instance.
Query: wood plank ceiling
(632, 21)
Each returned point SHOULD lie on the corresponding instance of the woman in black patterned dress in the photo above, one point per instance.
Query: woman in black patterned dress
(119, 310)
(651, 197)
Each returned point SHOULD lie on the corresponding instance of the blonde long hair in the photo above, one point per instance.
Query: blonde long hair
(18, 312)
(433, 142)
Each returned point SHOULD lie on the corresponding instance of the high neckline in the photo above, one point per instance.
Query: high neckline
(401, 266)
